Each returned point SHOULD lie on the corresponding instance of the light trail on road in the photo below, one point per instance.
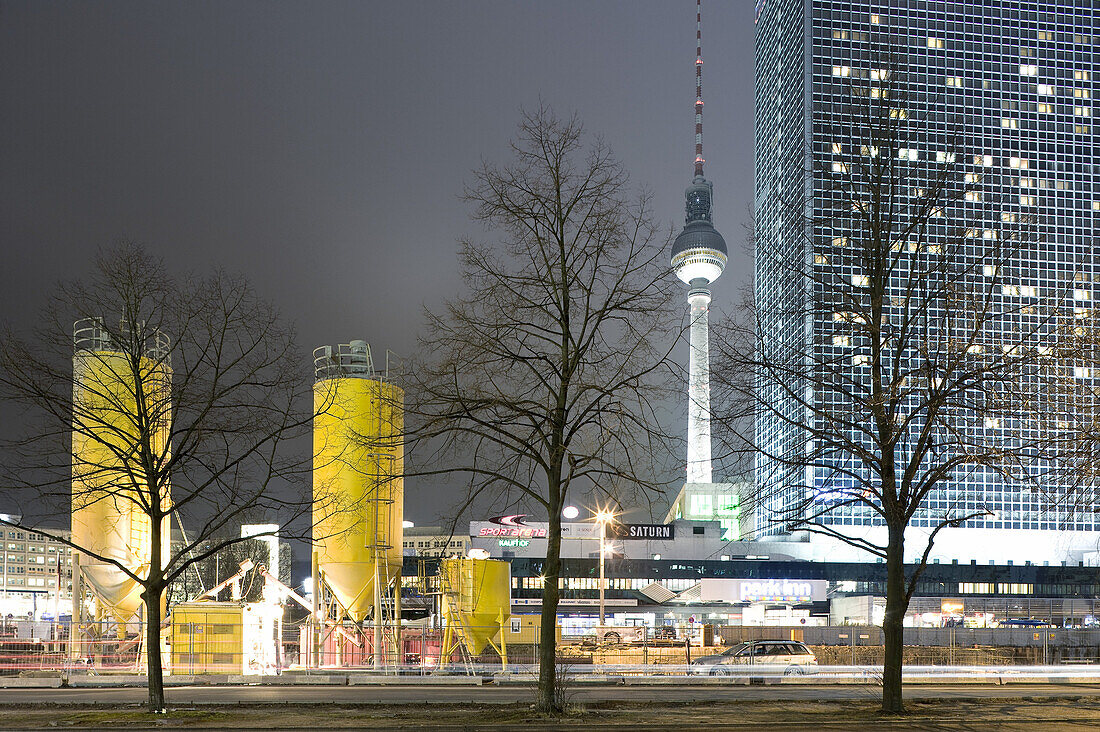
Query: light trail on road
(519, 693)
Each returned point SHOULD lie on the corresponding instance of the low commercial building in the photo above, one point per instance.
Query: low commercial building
(684, 570)
(433, 541)
(37, 575)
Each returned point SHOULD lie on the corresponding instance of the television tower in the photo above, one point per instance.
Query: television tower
(698, 258)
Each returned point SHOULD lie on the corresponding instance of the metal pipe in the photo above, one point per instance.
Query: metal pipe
(377, 649)
(314, 617)
(603, 533)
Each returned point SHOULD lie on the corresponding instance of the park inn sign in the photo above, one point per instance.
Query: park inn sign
(788, 591)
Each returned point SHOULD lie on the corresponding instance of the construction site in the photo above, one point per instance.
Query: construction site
(371, 610)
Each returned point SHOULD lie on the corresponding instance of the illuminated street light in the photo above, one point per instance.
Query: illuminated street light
(603, 516)
(570, 512)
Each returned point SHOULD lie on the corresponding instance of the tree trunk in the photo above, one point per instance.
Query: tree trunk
(154, 667)
(152, 594)
(892, 629)
(546, 700)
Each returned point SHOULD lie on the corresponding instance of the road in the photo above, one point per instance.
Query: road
(221, 695)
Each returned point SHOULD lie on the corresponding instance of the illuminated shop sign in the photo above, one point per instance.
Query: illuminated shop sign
(787, 591)
(776, 591)
(526, 532)
(661, 532)
(510, 543)
(514, 525)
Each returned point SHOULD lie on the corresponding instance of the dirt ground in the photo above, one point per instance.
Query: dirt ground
(992, 714)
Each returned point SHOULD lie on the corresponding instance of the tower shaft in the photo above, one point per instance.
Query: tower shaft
(698, 451)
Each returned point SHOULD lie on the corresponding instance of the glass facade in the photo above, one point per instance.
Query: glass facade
(1004, 91)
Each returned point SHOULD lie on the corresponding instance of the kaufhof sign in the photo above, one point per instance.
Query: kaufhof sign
(516, 526)
(789, 591)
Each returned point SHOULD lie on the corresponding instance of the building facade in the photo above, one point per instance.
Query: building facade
(433, 541)
(1002, 91)
(37, 579)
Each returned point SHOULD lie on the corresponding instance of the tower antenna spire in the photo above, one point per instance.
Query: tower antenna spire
(699, 89)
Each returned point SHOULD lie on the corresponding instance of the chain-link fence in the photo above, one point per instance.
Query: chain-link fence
(212, 644)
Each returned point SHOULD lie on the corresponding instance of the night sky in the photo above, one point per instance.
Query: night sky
(321, 148)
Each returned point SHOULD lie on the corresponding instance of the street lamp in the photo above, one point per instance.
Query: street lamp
(602, 518)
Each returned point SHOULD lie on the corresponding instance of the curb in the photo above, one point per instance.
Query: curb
(16, 682)
(365, 680)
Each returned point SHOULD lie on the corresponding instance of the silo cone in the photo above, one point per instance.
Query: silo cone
(106, 518)
(357, 485)
(477, 596)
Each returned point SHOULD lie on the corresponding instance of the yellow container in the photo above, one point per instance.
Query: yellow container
(358, 459)
(225, 638)
(526, 629)
(109, 484)
(208, 638)
(477, 599)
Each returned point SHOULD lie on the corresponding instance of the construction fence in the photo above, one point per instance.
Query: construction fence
(225, 645)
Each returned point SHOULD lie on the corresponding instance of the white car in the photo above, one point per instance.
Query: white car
(789, 658)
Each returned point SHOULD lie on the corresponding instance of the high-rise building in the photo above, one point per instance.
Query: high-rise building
(1009, 84)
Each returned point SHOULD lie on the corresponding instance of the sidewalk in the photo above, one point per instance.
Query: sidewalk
(1010, 714)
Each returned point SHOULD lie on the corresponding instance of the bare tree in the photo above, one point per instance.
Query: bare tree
(542, 378)
(876, 365)
(179, 404)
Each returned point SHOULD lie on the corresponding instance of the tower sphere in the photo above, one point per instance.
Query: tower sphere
(699, 252)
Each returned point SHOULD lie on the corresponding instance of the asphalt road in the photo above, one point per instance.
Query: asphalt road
(200, 695)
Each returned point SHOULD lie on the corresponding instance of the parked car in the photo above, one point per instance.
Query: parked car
(789, 658)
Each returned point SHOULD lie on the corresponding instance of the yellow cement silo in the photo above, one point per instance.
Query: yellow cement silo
(358, 459)
(477, 600)
(108, 480)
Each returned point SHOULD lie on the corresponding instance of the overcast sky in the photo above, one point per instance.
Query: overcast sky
(320, 148)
